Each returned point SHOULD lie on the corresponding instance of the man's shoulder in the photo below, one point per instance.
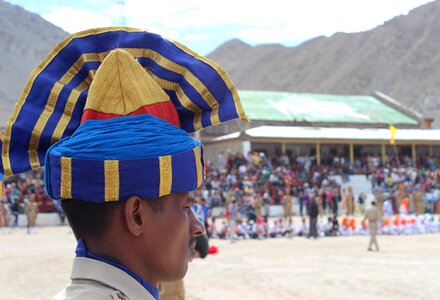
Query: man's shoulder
(93, 279)
(88, 289)
(372, 211)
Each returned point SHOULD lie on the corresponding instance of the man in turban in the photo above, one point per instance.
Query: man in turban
(108, 113)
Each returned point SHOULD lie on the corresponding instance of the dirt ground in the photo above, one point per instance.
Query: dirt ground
(407, 267)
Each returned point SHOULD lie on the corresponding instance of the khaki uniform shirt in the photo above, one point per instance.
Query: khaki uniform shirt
(96, 280)
(174, 290)
(372, 215)
(31, 213)
(350, 204)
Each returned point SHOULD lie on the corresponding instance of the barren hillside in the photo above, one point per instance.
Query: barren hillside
(400, 58)
(25, 38)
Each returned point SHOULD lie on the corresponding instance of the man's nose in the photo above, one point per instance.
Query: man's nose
(196, 227)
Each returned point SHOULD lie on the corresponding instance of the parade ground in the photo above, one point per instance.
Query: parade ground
(407, 267)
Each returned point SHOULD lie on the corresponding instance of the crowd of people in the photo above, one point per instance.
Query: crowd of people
(25, 194)
(256, 181)
(245, 187)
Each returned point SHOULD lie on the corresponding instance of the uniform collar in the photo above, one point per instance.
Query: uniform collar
(81, 251)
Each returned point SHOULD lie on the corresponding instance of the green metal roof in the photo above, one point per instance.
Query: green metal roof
(319, 108)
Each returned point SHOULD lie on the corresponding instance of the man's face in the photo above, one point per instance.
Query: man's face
(172, 229)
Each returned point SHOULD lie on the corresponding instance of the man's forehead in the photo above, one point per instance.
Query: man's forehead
(181, 197)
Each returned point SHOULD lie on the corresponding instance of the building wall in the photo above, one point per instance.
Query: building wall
(268, 148)
(213, 150)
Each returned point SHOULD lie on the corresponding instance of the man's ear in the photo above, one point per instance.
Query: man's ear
(134, 215)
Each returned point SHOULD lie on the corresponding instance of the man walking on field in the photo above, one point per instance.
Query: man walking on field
(373, 216)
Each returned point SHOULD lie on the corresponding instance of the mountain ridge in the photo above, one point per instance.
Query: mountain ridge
(398, 58)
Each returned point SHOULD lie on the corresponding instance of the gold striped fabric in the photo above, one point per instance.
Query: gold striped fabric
(166, 175)
(23, 96)
(111, 176)
(198, 166)
(66, 178)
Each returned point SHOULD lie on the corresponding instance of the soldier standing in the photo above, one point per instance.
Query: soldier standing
(5, 217)
(31, 210)
(418, 199)
(373, 216)
(350, 204)
(288, 204)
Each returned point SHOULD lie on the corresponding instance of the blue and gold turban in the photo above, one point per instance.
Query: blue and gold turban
(108, 113)
(108, 160)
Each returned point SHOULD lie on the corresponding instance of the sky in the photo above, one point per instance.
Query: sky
(203, 25)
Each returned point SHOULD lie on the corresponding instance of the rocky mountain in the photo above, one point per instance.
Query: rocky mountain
(25, 38)
(400, 58)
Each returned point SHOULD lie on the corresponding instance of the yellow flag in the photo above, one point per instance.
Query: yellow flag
(393, 131)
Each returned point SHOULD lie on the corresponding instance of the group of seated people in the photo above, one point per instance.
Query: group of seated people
(330, 226)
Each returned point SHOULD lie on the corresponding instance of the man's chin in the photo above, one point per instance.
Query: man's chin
(180, 275)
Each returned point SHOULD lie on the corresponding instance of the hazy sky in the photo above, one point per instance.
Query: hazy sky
(204, 25)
